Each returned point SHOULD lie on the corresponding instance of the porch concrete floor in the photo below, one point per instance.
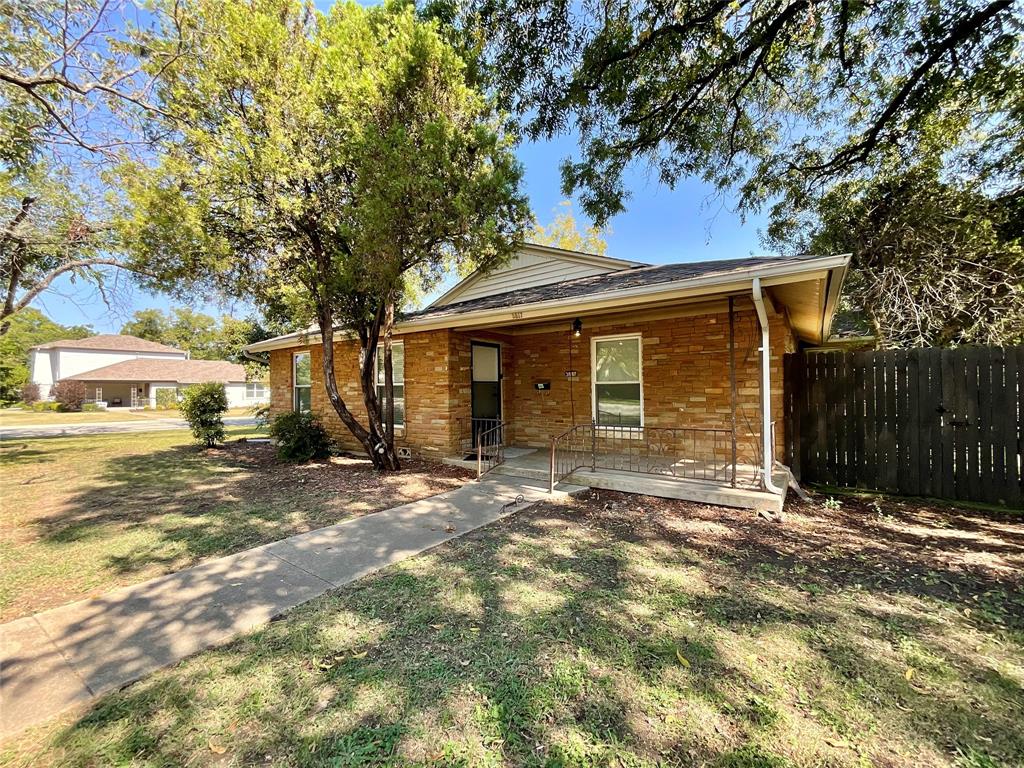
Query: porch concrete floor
(535, 463)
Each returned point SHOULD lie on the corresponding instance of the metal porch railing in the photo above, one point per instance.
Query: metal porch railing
(470, 429)
(490, 448)
(691, 453)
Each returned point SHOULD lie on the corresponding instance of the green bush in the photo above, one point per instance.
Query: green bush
(70, 394)
(91, 407)
(300, 437)
(203, 405)
(166, 398)
(45, 405)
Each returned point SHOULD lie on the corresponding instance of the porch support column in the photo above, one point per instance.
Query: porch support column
(767, 449)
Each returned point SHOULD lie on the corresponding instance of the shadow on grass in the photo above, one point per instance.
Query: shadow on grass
(19, 454)
(576, 636)
(187, 503)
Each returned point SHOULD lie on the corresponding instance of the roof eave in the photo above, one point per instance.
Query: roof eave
(734, 281)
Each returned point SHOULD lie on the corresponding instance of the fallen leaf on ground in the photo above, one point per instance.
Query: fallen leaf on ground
(360, 655)
(682, 659)
(216, 748)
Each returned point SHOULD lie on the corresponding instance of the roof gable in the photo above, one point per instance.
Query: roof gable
(532, 266)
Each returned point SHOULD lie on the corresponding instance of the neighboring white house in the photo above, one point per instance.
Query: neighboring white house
(126, 371)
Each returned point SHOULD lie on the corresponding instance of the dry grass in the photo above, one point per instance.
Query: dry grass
(617, 631)
(82, 515)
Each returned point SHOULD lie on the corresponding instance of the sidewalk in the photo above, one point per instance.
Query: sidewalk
(68, 656)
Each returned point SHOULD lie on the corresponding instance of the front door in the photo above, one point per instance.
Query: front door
(485, 375)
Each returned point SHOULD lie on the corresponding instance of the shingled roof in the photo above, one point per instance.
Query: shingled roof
(110, 342)
(156, 369)
(595, 285)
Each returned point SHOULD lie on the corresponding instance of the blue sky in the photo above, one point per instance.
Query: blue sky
(660, 226)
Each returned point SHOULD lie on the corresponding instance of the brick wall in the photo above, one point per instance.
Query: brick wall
(428, 390)
(685, 372)
(685, 376)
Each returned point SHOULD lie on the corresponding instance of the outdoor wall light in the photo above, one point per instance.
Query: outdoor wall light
(577, 328)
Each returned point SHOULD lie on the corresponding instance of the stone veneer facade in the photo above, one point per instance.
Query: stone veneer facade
(685, 380)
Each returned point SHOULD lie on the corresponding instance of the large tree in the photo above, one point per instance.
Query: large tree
(330, 165)
(76, 83)
(203, 336)
(51, 229)
(564, 232)
(935, 262)
(773, 100)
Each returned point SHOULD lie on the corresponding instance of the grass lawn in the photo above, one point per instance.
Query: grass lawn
(617, 631)
(82, 515)
(16, 418)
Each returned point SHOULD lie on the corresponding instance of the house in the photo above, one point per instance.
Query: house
(610, 373)
(126, 371)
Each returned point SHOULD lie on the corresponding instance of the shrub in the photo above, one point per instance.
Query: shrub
(91, 407)
(262, 415)
(70, 394)
(30, 393)
(166, 398)
(203, 405)
(45, 405)
(300, 437)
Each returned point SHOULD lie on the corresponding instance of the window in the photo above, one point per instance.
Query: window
(617, 381)
(397, 376)
(301, 381)
(255, 390)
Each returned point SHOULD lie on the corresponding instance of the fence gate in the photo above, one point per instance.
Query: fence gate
(926, 422)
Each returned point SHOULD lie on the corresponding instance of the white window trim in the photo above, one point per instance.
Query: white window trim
(254, 384)
(296, 385)
(376, 361)
(593, 382)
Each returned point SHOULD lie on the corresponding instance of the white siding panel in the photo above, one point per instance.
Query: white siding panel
(536, 272)
(236, 396)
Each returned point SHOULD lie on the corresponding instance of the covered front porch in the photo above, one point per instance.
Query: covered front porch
(132, 394)
(667, 401)
(694, 465)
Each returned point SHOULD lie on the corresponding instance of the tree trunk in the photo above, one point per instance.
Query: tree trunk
(385, 456)
(326, 320)
(389, 383)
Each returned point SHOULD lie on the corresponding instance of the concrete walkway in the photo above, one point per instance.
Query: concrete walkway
(105, 427)
(68, 656)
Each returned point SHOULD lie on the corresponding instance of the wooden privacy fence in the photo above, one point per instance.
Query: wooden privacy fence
(947, 423)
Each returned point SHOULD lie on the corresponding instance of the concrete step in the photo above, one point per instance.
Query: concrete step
(676, 488)
(511, 470)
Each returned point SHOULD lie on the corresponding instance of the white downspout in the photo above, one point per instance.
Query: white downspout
(767, 449)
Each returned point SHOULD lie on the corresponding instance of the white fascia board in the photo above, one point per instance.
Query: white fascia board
(734, 281)
(579, 257)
